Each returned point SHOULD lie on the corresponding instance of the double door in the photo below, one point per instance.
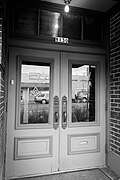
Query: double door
(56, 112)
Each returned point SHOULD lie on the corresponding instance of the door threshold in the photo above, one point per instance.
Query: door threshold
(105, 172)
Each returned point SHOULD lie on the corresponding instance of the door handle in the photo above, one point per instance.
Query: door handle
(56, 117)
(64, 112)
(64, 117)
(56, 113)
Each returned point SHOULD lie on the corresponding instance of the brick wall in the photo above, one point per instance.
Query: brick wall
(1, 102)
(115, 83)
(3, 50)
(1, 117)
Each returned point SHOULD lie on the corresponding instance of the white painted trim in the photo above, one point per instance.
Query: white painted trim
(58, 47)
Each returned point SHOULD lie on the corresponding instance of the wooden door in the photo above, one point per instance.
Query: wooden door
(32, 130)
(56, 112)
(82, 141)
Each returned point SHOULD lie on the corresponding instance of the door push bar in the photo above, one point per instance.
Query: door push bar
(64, 112)
(56, 113)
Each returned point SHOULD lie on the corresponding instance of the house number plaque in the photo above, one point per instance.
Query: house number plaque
(61, 40)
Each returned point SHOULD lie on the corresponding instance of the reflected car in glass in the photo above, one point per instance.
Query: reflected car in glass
(42, 98)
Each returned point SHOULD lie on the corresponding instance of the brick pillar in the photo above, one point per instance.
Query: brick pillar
(115, 84)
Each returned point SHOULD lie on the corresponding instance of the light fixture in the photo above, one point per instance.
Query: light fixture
(67, 2)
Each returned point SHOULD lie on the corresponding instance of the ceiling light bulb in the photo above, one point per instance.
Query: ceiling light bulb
(66, 9)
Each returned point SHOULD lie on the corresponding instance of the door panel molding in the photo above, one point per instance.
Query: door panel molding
(83, 143)
(33, 147)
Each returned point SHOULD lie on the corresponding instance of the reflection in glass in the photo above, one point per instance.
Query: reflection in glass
(83, 93)
(92, 29)
(72, 27)
(49, 23)
(35, 82)
(25, 21)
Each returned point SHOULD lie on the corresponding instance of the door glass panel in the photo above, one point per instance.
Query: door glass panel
(72, 26)
(49, 23)
(35, 90)
(92, 29)
(83, 93)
